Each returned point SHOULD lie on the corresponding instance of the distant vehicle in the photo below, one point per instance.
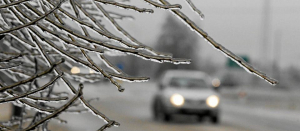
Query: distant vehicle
(186, 92)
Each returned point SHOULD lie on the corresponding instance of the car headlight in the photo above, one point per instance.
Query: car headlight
(177, 100)
(75, 70)
(212, 101)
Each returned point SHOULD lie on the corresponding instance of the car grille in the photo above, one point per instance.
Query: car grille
(195, 102)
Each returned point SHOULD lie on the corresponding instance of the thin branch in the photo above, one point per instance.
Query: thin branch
(22, 72)
(18, 96)
(76, 111)
(85, 102)
(13, 3)
(125, 6)
(48, 99)
(4, 127)
(125, 33)
(120, 16)
(31, 78)
(56, 113)
(107, 34)
(158, 5)
(11, 58)
(10, 66)
(12, 53)
(162, 58)
(191, 4)
(21, 40)
(32, 22)
(228, 53)
(108, 125)
(37, 107)
(102, 72)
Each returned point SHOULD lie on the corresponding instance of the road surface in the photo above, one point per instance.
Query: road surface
(132, 109)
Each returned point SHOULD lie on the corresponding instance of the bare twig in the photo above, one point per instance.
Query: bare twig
(29, 92)
(125, 6)
(108, 125)
(56, 113)
(31, 78)
(155, 4)
(11, 58)
(10, 66)
(13, 3)
(32, 22)
(195, 9)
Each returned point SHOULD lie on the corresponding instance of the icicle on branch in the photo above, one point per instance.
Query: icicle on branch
(191, 4)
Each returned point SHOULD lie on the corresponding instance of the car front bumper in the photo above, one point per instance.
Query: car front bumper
(207, 111)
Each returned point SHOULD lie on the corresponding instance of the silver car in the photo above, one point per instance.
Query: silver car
(186, 92)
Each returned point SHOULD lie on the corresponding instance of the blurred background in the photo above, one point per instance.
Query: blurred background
(263, 32)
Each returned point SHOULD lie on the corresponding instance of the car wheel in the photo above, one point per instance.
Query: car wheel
(200, 118)
(215, 119)
(159, 113)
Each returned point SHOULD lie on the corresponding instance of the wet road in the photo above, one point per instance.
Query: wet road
(132, 109)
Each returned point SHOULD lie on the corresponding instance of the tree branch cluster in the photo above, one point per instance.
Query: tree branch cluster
(38, 33)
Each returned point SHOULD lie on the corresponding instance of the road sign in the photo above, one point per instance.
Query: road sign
(232, 64)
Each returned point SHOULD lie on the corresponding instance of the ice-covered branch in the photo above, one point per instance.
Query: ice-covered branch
(125, 33)
(125, 6)
(22, 72)
(13, 3)
(191, 4)
(70, 86)
(22, 95)
(58, 111)
(105, 34)
(5, 67)
(48, 99)
(31, 78)
(102, 72)
(33, 21)
(2, 127)
(108, 125)
(37, 106)
(218, 46)
(158, 5)
(11, 58)
(120, 16)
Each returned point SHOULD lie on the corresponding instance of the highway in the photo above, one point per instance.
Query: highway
(132, 109)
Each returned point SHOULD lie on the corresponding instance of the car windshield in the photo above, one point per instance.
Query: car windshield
(192, 83)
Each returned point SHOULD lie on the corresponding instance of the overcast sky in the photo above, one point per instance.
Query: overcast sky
(236, 24)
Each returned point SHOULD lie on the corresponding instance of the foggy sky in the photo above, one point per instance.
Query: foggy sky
(236, 24)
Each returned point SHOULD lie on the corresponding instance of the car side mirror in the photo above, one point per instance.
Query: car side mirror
(216, 84)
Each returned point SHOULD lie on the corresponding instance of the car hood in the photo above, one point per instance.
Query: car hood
(192, 94)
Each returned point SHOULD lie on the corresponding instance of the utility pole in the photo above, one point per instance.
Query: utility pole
(265, 32)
